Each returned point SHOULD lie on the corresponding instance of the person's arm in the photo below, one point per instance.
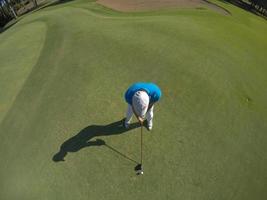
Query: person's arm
(140, 119)
(150, 105)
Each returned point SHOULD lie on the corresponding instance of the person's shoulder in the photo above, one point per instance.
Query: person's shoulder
(157, 90)
(154, 86)
(137, 84)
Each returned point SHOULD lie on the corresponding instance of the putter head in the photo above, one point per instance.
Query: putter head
(139, 169)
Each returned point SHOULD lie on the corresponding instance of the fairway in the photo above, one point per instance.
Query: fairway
(148, 5)
(63, 73)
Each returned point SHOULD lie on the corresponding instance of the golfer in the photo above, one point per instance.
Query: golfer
(141, 98)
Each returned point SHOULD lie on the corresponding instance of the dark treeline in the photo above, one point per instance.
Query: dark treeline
(7, 12)
(10, 9)
(255, 6)
(260, 5)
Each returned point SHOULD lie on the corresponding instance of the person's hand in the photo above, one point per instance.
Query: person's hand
(141, 120)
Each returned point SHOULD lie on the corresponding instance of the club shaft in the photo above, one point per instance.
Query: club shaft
(141, 144)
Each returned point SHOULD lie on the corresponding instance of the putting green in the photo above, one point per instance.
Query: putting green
(63, 73)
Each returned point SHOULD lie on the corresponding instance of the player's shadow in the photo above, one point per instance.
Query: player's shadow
(84, 138)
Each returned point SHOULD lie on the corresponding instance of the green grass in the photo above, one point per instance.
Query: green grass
(67, 67)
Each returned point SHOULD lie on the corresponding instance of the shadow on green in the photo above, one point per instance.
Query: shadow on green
(84, 139)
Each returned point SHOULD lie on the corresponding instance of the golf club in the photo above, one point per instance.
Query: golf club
(139, 168)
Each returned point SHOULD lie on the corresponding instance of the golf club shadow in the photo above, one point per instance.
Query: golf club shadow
(84, 139)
